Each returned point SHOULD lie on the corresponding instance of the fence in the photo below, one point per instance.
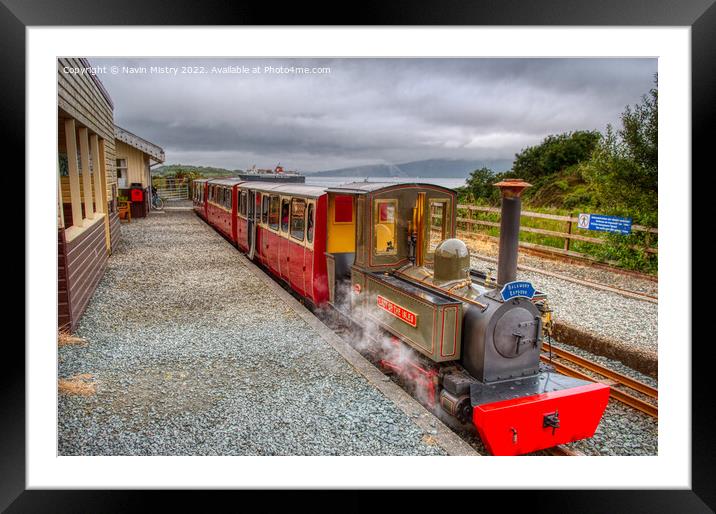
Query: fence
(545, 228)
(180, 192)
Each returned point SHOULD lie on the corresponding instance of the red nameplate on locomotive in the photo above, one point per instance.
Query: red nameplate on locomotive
(399, 312)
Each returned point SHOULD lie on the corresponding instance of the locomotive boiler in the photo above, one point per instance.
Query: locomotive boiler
(385, 255)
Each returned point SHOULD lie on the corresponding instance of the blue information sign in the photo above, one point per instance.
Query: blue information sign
(517, 289)
(604, 223)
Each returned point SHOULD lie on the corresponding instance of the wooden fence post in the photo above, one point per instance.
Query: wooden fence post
(568, 239)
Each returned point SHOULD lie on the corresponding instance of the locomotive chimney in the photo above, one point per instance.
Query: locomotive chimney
(511, 190)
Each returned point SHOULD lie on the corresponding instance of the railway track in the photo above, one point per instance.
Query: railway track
(563, 451)
(587, 283)
(570, 364)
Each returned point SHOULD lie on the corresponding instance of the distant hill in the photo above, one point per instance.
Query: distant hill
(204, 171)
(434, 168)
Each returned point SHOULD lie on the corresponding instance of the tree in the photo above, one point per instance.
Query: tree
(640, 133)
(554, 154)
(480, 184)
(624, 167)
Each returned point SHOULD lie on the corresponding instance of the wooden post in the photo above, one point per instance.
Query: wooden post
(97, 170)
(61, 214)
(73, 171)
(569, 232)
(106, 197)
(86, 177)
(102, 169)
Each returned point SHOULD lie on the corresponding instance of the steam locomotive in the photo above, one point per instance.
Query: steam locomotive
(386, 256)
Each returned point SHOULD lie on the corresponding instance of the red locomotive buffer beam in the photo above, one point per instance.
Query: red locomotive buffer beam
(522, 425)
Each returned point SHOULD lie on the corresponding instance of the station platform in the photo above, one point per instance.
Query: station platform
(193, 350)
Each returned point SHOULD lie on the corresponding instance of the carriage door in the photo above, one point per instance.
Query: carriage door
(250, 219)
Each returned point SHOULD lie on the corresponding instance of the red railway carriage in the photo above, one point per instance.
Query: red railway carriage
(221, 206)
(283, 227)
(199, 188)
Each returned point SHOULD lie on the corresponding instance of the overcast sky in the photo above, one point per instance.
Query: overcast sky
(366, 111)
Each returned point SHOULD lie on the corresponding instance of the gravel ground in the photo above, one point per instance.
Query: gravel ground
(191, 355)
(570, 269)
(179, 203)
(629, 321)
(622, 431)
(609, 363)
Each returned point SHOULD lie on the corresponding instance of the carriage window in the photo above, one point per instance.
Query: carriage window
(228, 198)
(385, 242)
(298, 218)
(273, 212)
(242, 204)
(343, 209)
(265, 209)
(437, 224)
(309, 224)
(284, 215)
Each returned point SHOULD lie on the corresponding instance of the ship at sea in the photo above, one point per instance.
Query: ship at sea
(279, 174)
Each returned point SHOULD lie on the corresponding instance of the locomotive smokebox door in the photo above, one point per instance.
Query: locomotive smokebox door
(516, 332)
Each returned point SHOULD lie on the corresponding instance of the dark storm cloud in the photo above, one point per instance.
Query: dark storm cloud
(369, 110)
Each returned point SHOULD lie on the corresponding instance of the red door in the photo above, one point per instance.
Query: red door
(308, 273)
(296, 266)
(285, 256)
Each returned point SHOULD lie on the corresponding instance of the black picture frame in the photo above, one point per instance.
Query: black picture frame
(700, 15)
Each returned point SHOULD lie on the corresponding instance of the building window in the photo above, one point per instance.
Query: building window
(122, 173)
(298, 218)
(285, 210)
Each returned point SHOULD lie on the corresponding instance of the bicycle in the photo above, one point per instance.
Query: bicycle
(157, 202)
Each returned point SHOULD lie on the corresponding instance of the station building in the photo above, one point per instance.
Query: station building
(134, 157)
(88, 143)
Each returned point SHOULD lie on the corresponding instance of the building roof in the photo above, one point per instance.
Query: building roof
(155, 152)
(97, 82)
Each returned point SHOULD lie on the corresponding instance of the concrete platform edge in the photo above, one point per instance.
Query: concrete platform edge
(642, 361)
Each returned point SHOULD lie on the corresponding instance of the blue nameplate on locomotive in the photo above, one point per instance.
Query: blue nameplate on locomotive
(518, 289)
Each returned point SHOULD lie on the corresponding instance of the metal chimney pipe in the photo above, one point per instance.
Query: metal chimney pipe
(511, 190)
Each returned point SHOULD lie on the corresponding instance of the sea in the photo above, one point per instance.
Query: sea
(451, 183)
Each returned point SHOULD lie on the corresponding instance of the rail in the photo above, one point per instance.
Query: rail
(616, 379)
